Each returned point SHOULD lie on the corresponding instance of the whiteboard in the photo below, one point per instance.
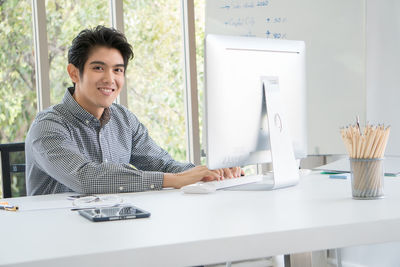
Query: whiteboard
(334, 33)
(383, 72)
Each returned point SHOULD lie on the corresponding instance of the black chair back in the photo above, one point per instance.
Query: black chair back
(13, 169)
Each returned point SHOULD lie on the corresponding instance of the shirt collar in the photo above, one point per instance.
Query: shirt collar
(80, 113)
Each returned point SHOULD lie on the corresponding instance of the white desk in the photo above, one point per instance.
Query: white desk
(185, 230)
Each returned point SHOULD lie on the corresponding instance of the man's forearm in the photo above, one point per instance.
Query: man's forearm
(170, 180)
(193, 175)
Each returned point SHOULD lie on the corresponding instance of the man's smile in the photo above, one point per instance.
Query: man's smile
(106, 90)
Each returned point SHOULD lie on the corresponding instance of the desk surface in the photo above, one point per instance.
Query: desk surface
(184, 230)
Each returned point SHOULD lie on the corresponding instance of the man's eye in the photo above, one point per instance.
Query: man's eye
(97, 68)
(119, 70)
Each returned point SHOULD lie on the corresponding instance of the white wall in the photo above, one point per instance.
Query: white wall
(383, 106)
(383, 67)
(334, 32)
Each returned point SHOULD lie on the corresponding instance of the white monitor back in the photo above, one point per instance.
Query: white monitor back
(236, 124)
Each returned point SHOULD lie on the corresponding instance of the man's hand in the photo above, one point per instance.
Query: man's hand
(196, 174)
(233, 172)
(199, 173)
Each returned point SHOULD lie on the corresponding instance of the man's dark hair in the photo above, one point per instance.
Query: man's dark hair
(87, 39)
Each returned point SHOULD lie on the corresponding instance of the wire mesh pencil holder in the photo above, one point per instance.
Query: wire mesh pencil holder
(367, 178)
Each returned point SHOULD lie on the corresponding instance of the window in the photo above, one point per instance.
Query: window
(154, 79)
(155, 76)
(17, 78)
(65, 19)
(17, 70)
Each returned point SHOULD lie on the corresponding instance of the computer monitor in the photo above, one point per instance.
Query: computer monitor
(236, 125)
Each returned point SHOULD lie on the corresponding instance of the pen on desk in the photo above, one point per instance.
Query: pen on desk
(327, 172)
(87, 208)
(8, 207)
(96, 207)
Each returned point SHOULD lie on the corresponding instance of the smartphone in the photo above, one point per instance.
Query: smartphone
(114, 213)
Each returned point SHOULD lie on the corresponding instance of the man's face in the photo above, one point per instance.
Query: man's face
(101, 81)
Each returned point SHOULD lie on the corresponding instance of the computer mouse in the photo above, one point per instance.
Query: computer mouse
(199, 188)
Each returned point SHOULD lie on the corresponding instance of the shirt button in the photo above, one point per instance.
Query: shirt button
(152, 186)
(106, 160)
(87, 122)
(121, 188)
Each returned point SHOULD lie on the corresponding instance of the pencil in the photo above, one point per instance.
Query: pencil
(9, 207)
(366, 149)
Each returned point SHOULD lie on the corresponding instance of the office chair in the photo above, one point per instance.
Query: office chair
(13, 169)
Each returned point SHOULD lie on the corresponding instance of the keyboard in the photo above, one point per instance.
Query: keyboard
(212, 186)
(229, 182)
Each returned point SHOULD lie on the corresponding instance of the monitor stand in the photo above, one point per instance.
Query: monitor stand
(284, 166)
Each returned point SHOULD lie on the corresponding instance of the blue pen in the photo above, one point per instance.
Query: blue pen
(339, 176)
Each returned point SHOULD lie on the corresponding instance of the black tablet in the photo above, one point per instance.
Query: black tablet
(114, 213)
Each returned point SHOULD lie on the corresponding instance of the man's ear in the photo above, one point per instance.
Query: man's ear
(73, 73)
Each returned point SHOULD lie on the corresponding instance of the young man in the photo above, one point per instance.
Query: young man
(87, 144)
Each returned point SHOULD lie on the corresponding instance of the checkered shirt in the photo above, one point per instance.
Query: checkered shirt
(69, 150)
